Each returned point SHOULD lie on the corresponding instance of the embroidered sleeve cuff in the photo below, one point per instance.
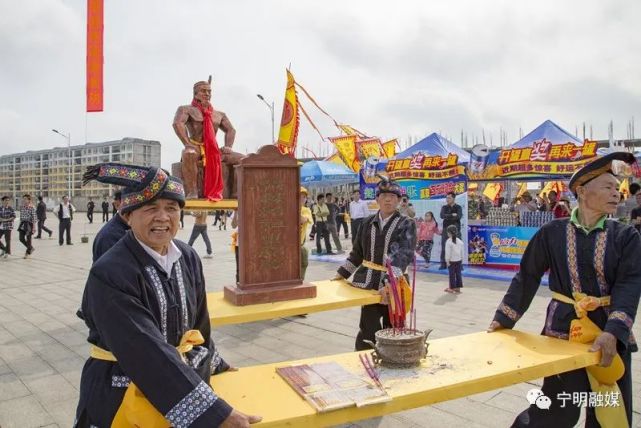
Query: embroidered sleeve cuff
(347, 269)
(200, 401)
(619, 324)
(506, 316)
(218, 364)
(214, 416)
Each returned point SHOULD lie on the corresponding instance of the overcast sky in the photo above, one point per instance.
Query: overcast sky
(390, 69)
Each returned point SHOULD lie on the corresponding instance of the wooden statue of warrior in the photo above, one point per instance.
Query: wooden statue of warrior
(206, 170)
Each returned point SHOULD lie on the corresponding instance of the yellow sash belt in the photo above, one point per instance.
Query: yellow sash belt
(135, 410)
(202, 149)
(402, 281)
(602, 379)
(374, 266)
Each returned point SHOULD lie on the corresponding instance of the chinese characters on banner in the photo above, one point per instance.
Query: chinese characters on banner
(421, 166)
(424, 176)
(543, 158)
(95, 61)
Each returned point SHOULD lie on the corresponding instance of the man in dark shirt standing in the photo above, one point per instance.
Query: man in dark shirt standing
(451, 214)
(90, 207)
(635, 214)
(105, 210)
(331, 221)
(41, 214)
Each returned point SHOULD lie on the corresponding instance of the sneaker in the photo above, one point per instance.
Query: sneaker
(330, 253)
(69, 243)
(208, 256)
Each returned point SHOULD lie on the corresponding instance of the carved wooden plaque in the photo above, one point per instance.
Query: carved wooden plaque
(268, 229)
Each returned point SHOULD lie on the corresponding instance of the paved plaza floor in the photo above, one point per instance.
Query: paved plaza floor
(43, 344)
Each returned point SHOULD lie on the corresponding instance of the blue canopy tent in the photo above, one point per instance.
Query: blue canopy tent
(435, 145)
(326, 173)
(551, 132)
(430, 180)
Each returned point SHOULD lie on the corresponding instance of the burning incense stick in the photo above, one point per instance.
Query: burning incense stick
(371, 372)
(412, 309)
(397, 307)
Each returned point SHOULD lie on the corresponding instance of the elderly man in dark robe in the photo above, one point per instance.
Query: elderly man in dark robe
(146, 309)
(595, 279)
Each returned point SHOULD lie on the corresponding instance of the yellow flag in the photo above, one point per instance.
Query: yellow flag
(336, 158)
(558, 186)
(389, 147)
(346, 148)
(290, 119)
(348, 130)
(370, 147)
(522, 189)
(625, 188)
(492, 190)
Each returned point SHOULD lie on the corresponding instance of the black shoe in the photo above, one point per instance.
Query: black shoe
(441, 267)
(50, 234)
(69, 243)
(37, 237)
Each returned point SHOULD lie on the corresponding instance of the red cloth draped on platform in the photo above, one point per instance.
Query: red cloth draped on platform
(213, 181)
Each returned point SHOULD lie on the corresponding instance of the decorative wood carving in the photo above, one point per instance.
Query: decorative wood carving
(268, 227)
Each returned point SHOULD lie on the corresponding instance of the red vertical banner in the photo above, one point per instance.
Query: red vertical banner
(95, 26)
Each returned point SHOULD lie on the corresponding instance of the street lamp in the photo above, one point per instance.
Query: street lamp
(271, 109)
(68, 137)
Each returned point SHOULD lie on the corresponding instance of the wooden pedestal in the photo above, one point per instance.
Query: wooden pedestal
(269, 230)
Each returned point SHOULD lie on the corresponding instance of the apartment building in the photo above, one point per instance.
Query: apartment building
(56, 172)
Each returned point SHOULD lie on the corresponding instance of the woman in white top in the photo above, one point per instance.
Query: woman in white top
(454, 260)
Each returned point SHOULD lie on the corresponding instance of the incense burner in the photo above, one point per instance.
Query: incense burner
(399, 347)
